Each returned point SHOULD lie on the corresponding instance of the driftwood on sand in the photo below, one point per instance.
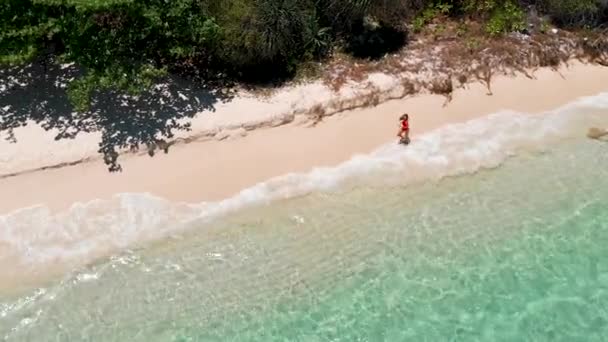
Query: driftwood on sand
(598, 133)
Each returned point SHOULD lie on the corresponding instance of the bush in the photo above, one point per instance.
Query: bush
(121, 45)
(374, 40)
(266, 39)
(574, 12)
(345, 15)
(505, 18)
(23, 26)
(368, 28)
(432, 12)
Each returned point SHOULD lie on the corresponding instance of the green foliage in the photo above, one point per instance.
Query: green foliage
(504, 13)
(574, 12)
(118, 42)
(320, 44)
(122, 45)
(22, 27)
(481, 7)
(506, 17)
(86, 4)
(462, 29)
(372, 40)
(272, 30)
(430, 13)
(129, 81)
(394, 13)
(342, 14)
(544, 26)
(472, 44)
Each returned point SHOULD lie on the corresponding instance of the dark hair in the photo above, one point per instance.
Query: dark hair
(404, 117)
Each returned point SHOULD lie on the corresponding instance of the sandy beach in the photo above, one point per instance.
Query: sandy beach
(69, 224)
(237, 170)
(213, 170)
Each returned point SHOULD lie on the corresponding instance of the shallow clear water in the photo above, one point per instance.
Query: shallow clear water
(518, 253)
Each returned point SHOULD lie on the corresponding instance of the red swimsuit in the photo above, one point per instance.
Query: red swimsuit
(405, 125)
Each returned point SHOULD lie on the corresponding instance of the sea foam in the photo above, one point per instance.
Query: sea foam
(36, 237)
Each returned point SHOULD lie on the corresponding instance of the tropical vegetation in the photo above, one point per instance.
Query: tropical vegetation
(125, 48)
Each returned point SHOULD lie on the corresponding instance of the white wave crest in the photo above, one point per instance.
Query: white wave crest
(36, 236)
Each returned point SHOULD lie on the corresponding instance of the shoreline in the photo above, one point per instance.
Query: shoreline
(109, 212)
(212, 170)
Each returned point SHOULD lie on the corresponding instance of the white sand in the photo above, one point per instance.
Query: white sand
(212, 170)
(37, 148)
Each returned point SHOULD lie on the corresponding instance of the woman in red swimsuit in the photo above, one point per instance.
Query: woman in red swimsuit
(404, 128)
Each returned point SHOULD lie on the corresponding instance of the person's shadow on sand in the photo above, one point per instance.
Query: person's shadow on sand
(37, 93)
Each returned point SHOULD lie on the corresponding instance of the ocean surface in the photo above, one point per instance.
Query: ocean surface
(492, 230)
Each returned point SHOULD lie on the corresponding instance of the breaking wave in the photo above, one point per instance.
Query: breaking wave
(35, 237)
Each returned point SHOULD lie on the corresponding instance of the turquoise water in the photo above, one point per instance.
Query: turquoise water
(517, 253)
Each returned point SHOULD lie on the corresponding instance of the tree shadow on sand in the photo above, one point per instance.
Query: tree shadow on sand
(37, 93)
